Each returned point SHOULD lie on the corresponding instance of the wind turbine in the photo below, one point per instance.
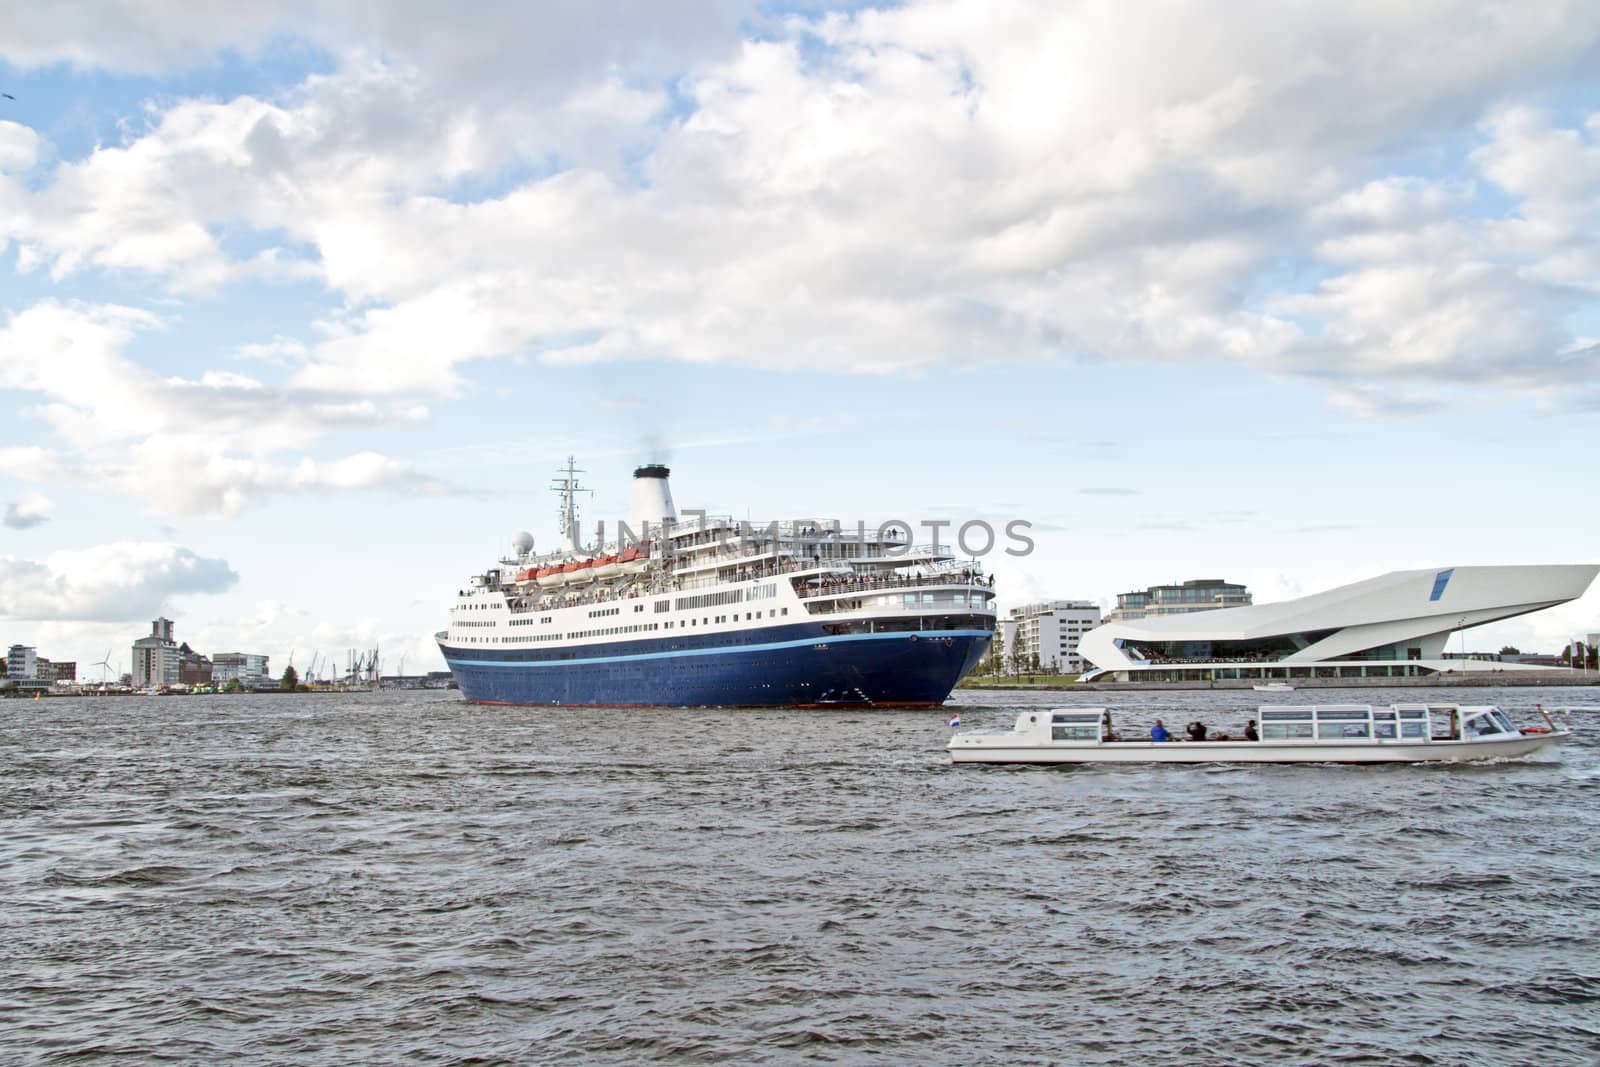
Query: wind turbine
(104, 665)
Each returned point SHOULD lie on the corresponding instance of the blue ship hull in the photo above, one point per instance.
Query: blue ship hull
(773, 667)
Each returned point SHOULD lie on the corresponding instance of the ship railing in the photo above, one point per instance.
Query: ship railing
(807, 530)
(829, 576)
(825, 586)
(818, 528)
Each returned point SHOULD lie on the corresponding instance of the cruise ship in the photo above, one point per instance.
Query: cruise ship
(717, 612)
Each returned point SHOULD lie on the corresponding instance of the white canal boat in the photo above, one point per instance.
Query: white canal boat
(1327, 733)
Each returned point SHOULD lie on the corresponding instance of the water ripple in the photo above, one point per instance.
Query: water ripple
(388, 877)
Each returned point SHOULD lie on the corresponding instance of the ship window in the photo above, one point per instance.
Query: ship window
(1383, 729)
(1074, 733)
(1340, 731)
(1284, 731)
(1413, 729)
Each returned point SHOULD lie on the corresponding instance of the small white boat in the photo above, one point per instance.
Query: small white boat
(1329, 733)
(1274, 687)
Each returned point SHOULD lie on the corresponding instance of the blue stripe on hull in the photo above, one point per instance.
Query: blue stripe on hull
(884, 668)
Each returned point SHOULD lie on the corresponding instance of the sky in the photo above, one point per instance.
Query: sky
(303, 304)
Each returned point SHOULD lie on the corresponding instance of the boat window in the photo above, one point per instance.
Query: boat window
(1075, 733)
(1341, 731)
(1286, 715)
(1343, 714)
(1413, 729)
(1413, 713)
(1506, 724)
(1284, 731)
(1383, 729)
(1481, 726)
(1076, 717)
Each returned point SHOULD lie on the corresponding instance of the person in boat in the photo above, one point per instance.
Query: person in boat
(1196, 730)
(1158, 732)
(1250, 731)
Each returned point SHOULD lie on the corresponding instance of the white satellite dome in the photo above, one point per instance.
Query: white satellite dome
(522, 543)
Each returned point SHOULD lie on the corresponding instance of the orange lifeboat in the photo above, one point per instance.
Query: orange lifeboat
(606, 567)
(635, 560)
(578, 571)
(548, 577)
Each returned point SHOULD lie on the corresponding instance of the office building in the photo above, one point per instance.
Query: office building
(1047, 634)
(156, 660)
(1159, 601)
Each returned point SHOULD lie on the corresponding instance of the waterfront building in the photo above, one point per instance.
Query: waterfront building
(57, 670)
(1396, 625)
(193, 668)
(22, 663)
(1159, 601)
(156, 660)
(1050, 631)
(248, 669)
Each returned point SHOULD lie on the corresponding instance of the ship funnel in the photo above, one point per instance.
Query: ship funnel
(652, 500)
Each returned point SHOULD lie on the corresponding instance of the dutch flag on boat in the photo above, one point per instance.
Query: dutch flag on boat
(955, 720)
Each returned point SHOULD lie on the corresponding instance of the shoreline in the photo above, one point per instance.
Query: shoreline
(1475, 680)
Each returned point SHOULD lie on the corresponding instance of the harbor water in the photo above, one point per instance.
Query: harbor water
(402, 877)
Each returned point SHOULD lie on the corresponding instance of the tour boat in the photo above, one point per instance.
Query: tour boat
(1328, 733)
(1274, 687)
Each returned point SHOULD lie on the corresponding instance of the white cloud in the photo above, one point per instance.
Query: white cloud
(32, 510)
(19, 147)
(185, 447)
(884, 190)
(124, 581)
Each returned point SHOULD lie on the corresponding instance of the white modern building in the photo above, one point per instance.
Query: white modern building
(1051, 631)
(156, 659)
(22, 663)
(246, 668)
(1393, 626)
